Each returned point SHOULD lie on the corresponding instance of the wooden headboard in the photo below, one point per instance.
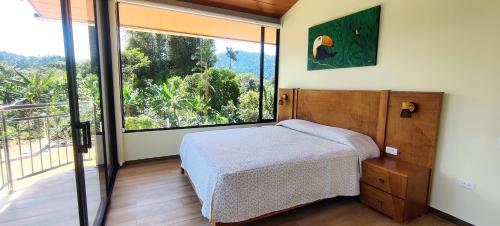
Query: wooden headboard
(354, 110)
(374, 113)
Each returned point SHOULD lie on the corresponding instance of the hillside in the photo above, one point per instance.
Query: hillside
(25, 62)
(248, 63)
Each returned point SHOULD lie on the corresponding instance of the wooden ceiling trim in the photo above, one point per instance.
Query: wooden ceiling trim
(269, 8)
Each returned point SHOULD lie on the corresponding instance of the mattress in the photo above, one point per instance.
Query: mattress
(240, 174)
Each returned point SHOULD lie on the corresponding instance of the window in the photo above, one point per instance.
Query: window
(181, 70)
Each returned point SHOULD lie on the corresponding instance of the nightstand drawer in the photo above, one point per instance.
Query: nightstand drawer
(385, 180)
(382, 201)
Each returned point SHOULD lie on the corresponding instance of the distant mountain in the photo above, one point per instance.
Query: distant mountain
(248, 62)
(24, 62)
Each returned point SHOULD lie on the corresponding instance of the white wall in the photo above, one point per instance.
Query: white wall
(142, 145)
(425, 45)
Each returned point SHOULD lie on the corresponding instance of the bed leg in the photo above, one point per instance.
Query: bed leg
(182, 171)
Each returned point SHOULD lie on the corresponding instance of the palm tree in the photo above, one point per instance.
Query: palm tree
(205, 58)
(42, 85)
(205, 55)
(232, 55)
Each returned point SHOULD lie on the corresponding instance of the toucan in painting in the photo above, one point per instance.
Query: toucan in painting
(320, 47)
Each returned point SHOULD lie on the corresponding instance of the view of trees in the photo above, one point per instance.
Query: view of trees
(178, 81)
(167, 81)
(42, 80)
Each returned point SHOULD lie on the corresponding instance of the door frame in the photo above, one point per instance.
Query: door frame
(74, 110)
(110, 127)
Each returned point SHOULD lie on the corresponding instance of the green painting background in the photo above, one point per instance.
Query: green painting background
(352, 50)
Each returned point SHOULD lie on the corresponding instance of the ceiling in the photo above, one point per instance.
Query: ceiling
(269, 8)
(153, 19)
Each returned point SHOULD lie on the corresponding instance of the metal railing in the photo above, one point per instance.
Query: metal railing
(36, 138)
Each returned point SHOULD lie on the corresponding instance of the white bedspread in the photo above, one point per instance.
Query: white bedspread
(241, 174)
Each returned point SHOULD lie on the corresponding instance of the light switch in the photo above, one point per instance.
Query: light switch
(469, 185)
(391, 150)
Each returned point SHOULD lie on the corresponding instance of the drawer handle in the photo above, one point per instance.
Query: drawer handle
(382, 181)
(380, 202)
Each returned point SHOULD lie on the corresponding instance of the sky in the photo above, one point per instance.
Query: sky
(24, 34)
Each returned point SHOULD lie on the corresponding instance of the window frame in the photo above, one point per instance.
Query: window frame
(261, 85)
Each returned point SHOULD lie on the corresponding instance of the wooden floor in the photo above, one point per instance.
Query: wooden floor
(49, 199)
(155, 193)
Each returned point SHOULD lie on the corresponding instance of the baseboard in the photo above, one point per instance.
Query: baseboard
(132, 162)
(449, 217)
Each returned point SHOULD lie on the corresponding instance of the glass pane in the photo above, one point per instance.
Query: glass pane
(268, 96)
(178, 73)
(36, 132)
(89, 99)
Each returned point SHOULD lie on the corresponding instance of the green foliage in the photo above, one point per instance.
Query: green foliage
(194, 92)
(154, 47)
(231, 112)
(248, 110)
(134, 65)
(268, 100)
(168, 81)
(223, 87)
(180, 50)
(141, 122)
(248, 82)
(168, 99)
(45, 84)
(204, 55)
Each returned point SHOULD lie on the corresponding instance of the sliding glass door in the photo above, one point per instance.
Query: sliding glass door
(38, 155)
(52, 155)
(86, 51)
(84, 83)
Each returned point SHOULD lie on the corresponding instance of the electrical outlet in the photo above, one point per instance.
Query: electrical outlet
(469, 185)
(391, 150)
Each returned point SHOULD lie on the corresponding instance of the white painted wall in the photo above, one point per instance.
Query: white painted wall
(425, 45)
(142, 145)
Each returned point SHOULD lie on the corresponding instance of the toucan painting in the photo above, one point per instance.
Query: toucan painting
(350, 41)
(321, 46)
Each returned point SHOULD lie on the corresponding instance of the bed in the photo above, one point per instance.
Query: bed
(243, 174)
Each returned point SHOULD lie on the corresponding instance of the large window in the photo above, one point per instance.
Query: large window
(181, 70)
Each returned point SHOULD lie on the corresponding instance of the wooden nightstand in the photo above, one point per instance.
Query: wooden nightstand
(396, 188)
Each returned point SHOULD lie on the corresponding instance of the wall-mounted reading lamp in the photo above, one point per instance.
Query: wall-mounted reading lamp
(283, 98)
(407, 108)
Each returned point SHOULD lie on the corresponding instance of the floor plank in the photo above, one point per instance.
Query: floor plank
(50, 199)
(155, 193)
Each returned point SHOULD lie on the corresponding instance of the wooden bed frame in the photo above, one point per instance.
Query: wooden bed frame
(374, 113)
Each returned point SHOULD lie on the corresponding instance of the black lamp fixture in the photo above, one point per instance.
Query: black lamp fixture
(407, 108)
(283, 98)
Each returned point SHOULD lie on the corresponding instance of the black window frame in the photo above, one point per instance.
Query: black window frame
(261, 86)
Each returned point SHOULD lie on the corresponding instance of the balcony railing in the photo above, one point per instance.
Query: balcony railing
(36, 138)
